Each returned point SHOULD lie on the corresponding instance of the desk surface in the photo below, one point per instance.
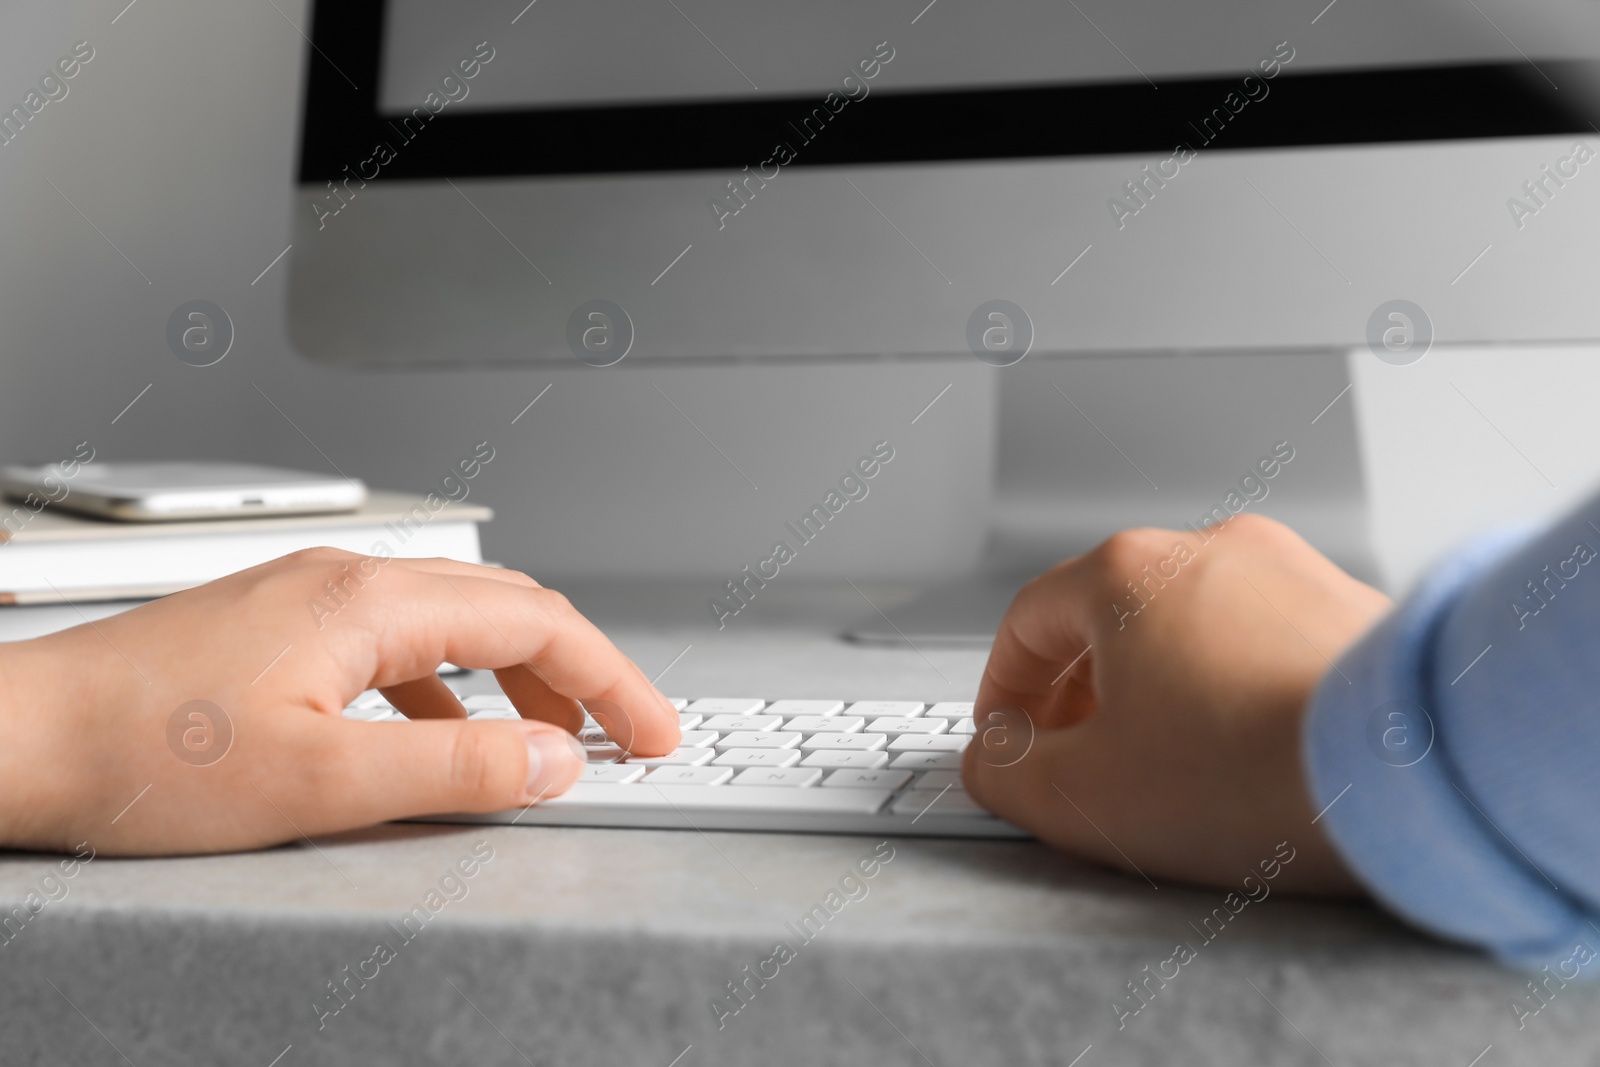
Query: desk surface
(575, 946)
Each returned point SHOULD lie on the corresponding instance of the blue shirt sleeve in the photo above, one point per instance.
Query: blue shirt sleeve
(1454, 754)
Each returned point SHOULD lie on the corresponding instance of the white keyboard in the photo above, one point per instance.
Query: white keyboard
(810, 766)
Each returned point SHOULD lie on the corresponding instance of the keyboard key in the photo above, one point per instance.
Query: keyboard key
(873, 708)
(698, 738)
(593, 735)
(805, 707)
(929, 743)
(493, 713)
(678, 702)
(963, 726)
(926, 761)
(727, 705)
(757, 757)
(864, 761)
(698, 776)
(683, 757)
(759, 739)
(826, 724)
(604, 753)
(690, 798)
(843, 742)
(898, 724)
(612, 772)
(371, 713)
(742, 722)
(794, 777)
(937, 780)
(688, 720)
(854, 779)
(951, 709)
(919, 802)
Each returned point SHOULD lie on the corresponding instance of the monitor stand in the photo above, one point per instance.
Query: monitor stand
(1091, 446)
(963, 614)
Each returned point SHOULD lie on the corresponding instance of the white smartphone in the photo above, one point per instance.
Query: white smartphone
(166, 492)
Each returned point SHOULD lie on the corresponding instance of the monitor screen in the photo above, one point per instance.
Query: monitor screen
(847, 180)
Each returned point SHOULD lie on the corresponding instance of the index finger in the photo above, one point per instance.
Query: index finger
(486, 624)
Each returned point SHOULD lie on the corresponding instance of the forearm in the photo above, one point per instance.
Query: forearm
(26, 724)
(51, 766)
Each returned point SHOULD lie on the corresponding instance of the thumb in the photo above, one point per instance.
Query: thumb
(394, 770)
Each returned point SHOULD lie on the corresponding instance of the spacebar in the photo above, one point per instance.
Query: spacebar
(720, 798)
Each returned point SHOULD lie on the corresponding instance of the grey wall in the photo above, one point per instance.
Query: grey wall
(177, 143)
(1465, 440)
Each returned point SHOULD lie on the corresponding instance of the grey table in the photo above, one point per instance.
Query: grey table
(602, 947)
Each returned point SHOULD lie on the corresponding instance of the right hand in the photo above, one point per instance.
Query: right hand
(1167, 742)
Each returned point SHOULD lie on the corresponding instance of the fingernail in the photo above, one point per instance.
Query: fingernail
(555, 759)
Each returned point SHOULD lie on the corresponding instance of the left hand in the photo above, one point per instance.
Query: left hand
(103, 745)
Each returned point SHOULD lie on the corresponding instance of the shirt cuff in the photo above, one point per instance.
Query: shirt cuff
(1377, 752)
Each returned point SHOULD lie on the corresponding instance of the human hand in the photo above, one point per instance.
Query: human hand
(1167, 741)
(91, 715)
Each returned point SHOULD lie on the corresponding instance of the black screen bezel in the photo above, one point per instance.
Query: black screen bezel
(342, 124)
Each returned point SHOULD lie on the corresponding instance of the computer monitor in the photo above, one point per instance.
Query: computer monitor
(493, 181)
